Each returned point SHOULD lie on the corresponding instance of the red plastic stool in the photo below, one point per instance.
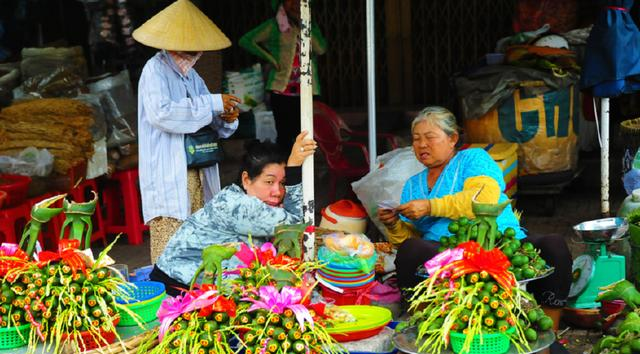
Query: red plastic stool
(82, 193)
(12, 222)
(122, 201)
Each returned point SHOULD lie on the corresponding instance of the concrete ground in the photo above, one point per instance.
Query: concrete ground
(578, 202)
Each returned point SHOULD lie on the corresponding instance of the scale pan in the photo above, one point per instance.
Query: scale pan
(601, 230)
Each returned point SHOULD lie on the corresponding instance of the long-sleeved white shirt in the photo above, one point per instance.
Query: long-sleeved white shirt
(170, 105)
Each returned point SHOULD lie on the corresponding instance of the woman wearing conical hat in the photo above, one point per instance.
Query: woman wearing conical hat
(173, 101)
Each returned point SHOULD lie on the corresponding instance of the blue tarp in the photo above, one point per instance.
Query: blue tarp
(612, 59)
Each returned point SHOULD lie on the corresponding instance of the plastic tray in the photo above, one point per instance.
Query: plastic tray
(369, 321)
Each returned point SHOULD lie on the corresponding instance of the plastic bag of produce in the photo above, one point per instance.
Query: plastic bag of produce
(120, 107)
(386, 182)
(352, 245)
(53, 72)
(29, 162)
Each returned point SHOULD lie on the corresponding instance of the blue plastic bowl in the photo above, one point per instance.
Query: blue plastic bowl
(143, 290)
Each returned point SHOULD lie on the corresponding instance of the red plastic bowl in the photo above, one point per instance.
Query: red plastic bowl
(16, 187)
(610, 311)
(349, 297)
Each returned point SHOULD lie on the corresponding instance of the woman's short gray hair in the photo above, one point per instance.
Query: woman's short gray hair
(438, 116)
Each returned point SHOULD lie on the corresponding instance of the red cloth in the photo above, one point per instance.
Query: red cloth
(66, 254)
(530, 15)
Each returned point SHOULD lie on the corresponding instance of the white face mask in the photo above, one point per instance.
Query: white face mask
(185, 61)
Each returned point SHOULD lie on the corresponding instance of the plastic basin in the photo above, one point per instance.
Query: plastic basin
(16, 187)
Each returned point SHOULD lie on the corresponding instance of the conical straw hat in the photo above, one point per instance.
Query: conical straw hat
(181, 26)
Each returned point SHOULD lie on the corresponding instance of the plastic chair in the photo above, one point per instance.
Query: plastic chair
(13, 221)
(330, 142)
(122, 201)
(324, 111)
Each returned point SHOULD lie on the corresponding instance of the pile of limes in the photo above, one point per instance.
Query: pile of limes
(525, 259)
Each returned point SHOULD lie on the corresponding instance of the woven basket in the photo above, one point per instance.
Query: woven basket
(147, 310)
(147, 298)
(14, 337)
(489, 343)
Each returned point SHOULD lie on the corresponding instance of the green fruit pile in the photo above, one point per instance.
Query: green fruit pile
(525, 259)
(627, 340)
(60, 300)
(471, 305)
(533, 322)
(194, 332)
(280, 333)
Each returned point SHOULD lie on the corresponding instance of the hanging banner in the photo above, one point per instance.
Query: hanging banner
(545, 127)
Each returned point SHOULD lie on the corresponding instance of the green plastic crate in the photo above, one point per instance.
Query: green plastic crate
(492, 343)
(10, 337)
(147, 310)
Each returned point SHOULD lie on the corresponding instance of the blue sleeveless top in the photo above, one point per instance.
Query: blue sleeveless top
(465, 164)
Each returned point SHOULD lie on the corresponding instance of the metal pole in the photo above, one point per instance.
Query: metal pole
(371, 83)
(604, 156)
(306, 123)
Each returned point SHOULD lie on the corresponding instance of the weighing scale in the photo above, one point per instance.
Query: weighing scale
(598, 267)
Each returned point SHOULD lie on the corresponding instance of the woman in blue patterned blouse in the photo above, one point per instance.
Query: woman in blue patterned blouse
(261, 200)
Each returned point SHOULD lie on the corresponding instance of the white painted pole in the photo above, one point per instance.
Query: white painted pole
(306, 123)
(371, 83)
(604, 156)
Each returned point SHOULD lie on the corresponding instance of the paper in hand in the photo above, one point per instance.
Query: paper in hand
(388, 204)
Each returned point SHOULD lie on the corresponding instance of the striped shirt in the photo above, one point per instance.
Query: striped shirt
(170, 105)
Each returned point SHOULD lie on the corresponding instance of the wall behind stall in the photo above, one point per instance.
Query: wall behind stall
(419, 43)
(426, 40)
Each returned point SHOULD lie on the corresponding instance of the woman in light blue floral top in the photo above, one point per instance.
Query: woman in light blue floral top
(262, 200)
